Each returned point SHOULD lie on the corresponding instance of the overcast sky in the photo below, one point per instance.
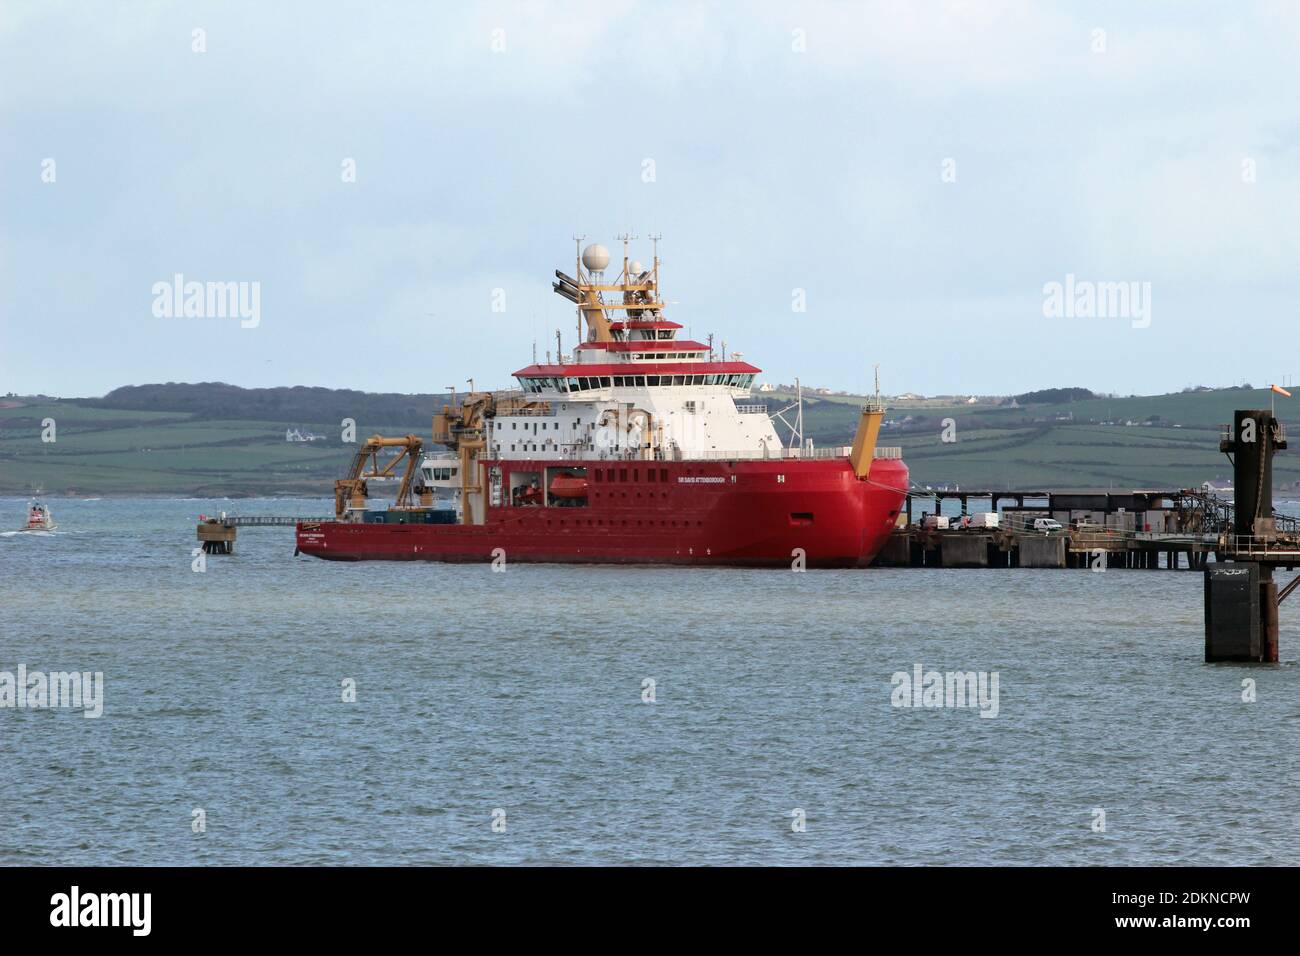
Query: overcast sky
(793, 147)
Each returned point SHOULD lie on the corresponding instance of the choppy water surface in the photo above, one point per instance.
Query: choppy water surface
(523, 691)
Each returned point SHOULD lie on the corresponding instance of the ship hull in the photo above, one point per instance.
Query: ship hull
(764, 513)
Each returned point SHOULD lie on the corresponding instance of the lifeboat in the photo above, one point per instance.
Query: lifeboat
(39, 518)
(568, 487)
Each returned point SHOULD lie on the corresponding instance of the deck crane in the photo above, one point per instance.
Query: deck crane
(351, 491)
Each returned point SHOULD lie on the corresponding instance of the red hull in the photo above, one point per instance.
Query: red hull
(756, 513)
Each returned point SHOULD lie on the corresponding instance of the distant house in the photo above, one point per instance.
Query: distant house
(295, 434)
(767, 387)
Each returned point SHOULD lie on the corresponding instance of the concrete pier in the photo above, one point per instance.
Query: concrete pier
(1041, 551)
(897, 552)
(965, 551)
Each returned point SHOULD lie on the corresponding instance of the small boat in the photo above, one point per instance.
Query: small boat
(39, 518)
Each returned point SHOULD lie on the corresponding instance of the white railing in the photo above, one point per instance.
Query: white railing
(586, 452)
(750, 454)
(1249, 544)
(837, 451)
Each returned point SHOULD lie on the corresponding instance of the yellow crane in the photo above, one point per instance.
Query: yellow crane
(366, 464)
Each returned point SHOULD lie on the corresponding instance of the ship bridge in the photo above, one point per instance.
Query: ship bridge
(632, 388)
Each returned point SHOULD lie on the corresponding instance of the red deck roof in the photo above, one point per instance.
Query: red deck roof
(637, 368)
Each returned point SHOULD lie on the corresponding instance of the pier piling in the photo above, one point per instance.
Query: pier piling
(216, 537)
(1241, 598)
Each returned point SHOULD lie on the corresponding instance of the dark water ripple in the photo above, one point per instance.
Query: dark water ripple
(522, 691)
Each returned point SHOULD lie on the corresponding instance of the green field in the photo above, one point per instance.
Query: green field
(111, 452)
(107, 451)
(998, 446)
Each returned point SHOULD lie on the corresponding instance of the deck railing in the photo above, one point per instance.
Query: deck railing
(833, 451)
(578, 452)
(1254, 545)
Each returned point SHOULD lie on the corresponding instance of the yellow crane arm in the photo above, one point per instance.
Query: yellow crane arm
(352, 488)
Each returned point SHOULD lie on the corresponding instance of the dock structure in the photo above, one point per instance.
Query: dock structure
(1149, 529)
(1247, 538)
(1095, 548)
(217, 535)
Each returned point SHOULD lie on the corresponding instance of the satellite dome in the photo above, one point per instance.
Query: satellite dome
(595, 257)
(635, 268)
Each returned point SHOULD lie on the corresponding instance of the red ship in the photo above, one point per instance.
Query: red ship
(640, 447)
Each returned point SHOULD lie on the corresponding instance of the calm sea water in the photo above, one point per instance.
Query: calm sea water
(522, 691)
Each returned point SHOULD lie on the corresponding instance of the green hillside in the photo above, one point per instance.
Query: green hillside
(218, 440)
(1173, 441)
(113, 452)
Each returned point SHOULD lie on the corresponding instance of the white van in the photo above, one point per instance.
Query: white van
(1046, 525)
